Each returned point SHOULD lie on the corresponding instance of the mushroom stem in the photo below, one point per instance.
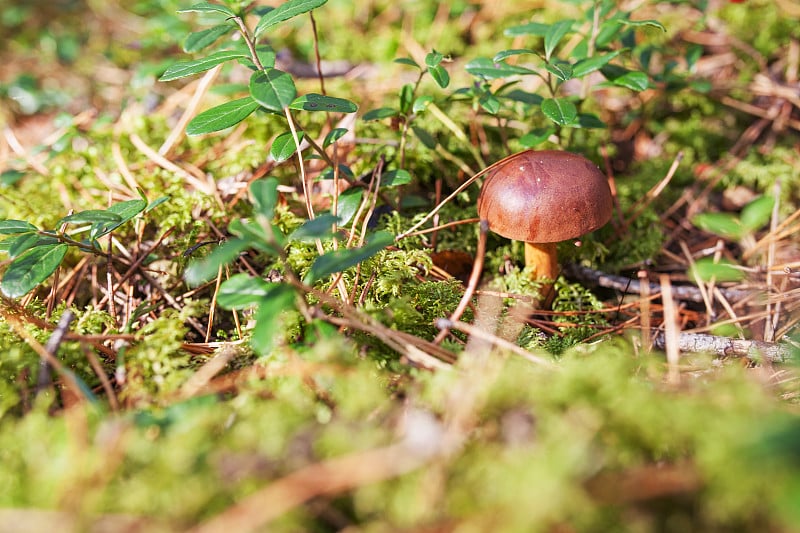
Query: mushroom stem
(542, 258)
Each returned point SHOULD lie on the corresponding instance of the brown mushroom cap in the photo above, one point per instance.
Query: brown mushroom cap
(545, 196)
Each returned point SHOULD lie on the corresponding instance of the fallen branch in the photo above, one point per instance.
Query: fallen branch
(633, 286)
(728, 347)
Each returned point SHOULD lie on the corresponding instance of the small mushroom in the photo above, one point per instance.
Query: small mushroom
(542, 198)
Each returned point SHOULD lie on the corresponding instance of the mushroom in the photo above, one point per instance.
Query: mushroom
(542, 198)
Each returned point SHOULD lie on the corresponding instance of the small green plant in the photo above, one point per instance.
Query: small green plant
(600, 41)
(272, 299)
(36, 253)
(740, 229)
(270, 90)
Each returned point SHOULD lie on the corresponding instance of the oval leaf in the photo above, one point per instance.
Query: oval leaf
(285, 11)
(505, 54)
(244, 290)
(486, 68)
(722, 224)
(207, 7)
(334, 135)
(590, 64)
(559, 110)
(395, 178)
(316, 228)
(380, 113)
(440, 76)
(635, 81)
(560, 69)
(265, 196)
(31, 268)
(347, 204)
(269, 317)
(757, 213)
(318, 102)
(283, 147)
(705, 269)
(21, 243)
(338, 260)
(199, 40)
(91, 216)
(532, 28)
(554, 34)
(273, 89)
(222, 116)
(202, 270)
(11, 226)
(188, 68)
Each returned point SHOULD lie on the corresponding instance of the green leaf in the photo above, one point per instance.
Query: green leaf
(649, 22)
(757, 213)
(590, 64)
(10, 177)
(489, 102)
(536, 137)
(126, 211)
(222, 116)
(347, 204)
(265, 196)
(199, 40)
(283, 147)
(486, 68)
(560, 69)
(339, 260)
(559, 110)
(202, 270)
(705, 269)
(273, 89)
(285, 11)
(380, 113)
(319, 102)
(316, 228)
(722, 224)
(588, 120)
(244, 290)
(406, 97)
(433, 59)
(334, 135)
(91, 216)
(155, 203)
(505, 54)
(395, 178)
(206, 7)
(265, 236)
(440, 76)
(269, 318)
(266, 55)
(407, 61)
(554, 34)
(31, 268)
(11, 226)
(518, 95)
(636, 81)
(182, 69)
(532, 28)
(21, 242)
(428, 140)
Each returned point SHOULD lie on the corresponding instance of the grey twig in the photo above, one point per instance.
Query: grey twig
(622, 283)
(56, 338)
(728, 347)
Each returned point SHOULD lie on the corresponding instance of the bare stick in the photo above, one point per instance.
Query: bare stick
(671, 330)
(688, 342)
(474, 277)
